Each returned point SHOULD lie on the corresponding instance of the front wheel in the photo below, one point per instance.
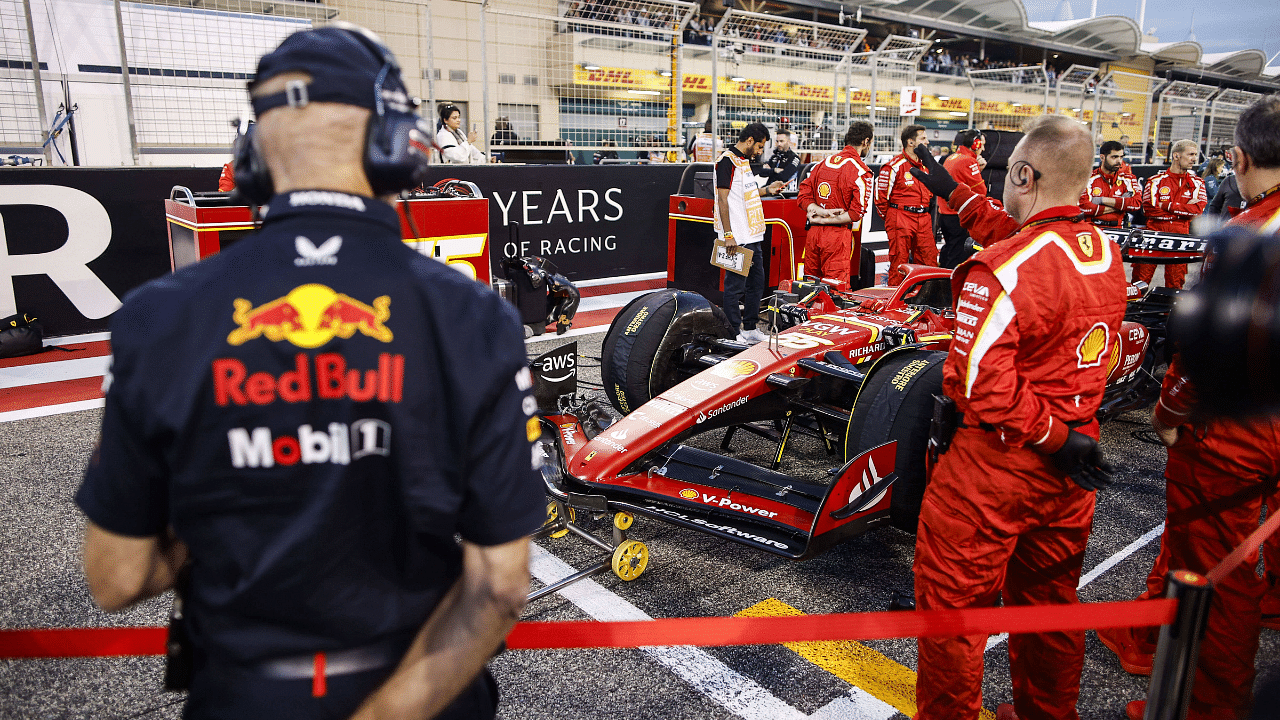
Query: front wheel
(896, 403)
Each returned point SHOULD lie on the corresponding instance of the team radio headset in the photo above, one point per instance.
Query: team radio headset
(397, 141)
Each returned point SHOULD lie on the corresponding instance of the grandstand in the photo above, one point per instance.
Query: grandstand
(571, 75)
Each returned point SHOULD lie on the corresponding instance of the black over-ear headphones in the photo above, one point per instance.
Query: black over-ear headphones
(396, 155)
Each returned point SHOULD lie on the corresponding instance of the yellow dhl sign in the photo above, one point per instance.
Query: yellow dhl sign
(632, 79)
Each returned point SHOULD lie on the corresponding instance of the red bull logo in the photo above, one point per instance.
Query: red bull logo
(310, 316)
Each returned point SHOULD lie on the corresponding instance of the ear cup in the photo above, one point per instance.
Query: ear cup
(254, 185)
(397, 152)
(397, 143)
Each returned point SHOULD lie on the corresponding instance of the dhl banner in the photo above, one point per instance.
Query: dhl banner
(633, 79)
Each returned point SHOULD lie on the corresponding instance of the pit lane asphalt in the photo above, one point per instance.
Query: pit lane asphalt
(689, 574)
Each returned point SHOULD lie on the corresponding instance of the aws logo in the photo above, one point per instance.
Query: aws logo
(1093, 346)
(310, 316)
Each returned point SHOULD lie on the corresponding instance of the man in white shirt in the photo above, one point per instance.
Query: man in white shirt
(739, 220)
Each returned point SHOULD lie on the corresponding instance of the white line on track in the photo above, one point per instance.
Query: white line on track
(23, 375)
(78, 339)
(604, 302)
(620, 279)
(728, 688)
(723, 685)
(1101, 568)
(548, 337)
(50, 410)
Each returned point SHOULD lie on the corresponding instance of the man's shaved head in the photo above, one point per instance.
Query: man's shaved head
(319, 146)
(1049, 167)
(1058, 146)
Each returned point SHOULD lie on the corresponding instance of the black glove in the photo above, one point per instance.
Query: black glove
(1081, 459)
(937, 179)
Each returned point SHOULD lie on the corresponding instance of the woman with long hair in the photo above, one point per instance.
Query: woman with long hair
(1213, 174)
(456, 147)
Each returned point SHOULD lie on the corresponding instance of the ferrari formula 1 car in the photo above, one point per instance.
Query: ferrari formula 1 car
(854, 370)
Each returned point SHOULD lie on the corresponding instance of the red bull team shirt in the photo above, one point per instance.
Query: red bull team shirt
(316, 412)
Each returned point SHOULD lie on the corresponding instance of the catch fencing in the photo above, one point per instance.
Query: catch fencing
(22, 110)
(1181, 114)
(1224, 113)
(546, 80)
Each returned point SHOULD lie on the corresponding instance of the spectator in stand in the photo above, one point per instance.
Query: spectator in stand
(1172, 198)
(503, 134)
(602, 155)
(456, 147)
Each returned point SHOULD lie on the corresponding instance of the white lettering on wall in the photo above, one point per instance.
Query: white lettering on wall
(583, 207)
(608, 197)
(88, 235)
(527, 207)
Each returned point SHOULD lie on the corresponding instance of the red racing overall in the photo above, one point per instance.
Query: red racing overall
(1169, 202)
(1121, 187)
(1212, 460)
(1036, 317)
(841, 182)
(903, 202)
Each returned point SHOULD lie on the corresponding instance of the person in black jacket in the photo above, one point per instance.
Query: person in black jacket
(1227, 202)
(602, 155)
(331, 431)
(784, 163)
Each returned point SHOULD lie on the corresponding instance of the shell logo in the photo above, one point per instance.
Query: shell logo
(1097, 191)
(1093, 346)
(824, 190)
(1164, 191)
(689, 494)
(1114, 360)
(734, 369)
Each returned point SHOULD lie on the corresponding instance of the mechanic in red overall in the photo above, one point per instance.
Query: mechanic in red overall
(227, 181)
(965, 166)
(1009, 505)
(834, 197)
(1111, 191)
(903, 202)
(1213, 458)
(1171, 199)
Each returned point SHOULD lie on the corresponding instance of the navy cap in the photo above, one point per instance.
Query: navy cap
(347, 64)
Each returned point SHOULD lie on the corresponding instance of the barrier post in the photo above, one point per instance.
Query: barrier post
(1174, 668)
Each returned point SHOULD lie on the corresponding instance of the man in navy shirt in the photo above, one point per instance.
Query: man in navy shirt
(331, 429)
